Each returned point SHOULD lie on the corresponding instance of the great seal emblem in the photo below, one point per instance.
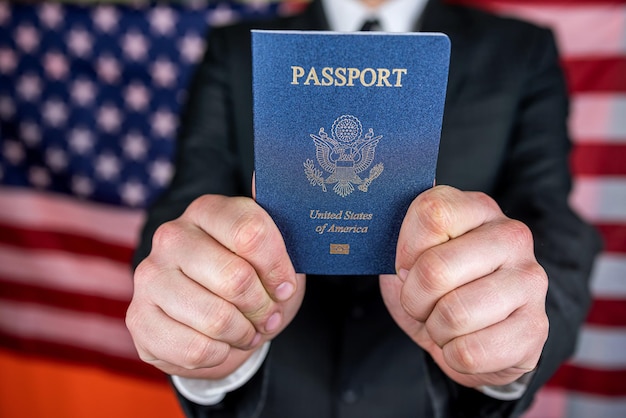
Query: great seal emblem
(344, 155)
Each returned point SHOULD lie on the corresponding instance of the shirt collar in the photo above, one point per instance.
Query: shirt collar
(393, 15)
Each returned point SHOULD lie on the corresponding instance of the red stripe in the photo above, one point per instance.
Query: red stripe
(596, 74)
(72, 354)
(66, 300)
(608, 312)
(590, 381)
(599, 159)
(52, 240)
(490, 4)
(614, 236)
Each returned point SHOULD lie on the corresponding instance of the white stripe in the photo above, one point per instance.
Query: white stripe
(582, 30)
(84, 330)
(586, 406)
(600, 199)
(598, 117)
(608, 278)
(549, 403)
(60, 270)
(51, 212)
(601, 348)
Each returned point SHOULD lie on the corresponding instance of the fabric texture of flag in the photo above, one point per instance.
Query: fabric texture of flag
(89, 101)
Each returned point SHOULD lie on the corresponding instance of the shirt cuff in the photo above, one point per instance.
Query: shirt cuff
(211, 392)
(510, 392)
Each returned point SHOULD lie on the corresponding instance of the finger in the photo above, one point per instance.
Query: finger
(438, 215)
(160, 338)
(476, 254)
(219, 271)
(243, 227)
(513, 343)
(188, 303)
(485, 302)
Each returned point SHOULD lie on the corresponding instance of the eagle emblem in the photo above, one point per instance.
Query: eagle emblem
(343, 155)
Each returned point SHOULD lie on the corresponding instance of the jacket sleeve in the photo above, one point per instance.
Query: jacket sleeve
(206, 157)
(534, 188)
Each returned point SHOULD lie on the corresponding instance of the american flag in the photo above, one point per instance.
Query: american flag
(89, 98)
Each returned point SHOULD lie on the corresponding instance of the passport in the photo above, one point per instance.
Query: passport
(346, 135)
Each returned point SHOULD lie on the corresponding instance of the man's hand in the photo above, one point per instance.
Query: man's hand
(469, 290)
(217, 284)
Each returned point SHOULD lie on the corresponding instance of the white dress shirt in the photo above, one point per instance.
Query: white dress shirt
(342, 16)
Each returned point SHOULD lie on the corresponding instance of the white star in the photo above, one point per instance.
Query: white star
(191, 48)
(109, 118)
(82, 186)
(54, 112)
(29, 87)
(222, 15)
(196, 4)
(135, 45)
(51, 14)
(55, 65)
(136, 96)
(39, 177)
(107, 166)
(135, 146)
(8, 61)
(30, 133)
(164, 72)
(26, 38)
(13, 152)
(164, 123)
(162, 20)
(133, 193)
(56, 159)
(258, 5)
(161, 172)
(81, 140)
(7, 107)
(80, 42)
(108, 69)
(83, 92)
(5, 12)
(106, 18)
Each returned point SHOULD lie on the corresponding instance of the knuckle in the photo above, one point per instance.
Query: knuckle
(453, 312)
(133, 319)
(487, 201)
(518, 234)
(466, 354)
(239, 277)
(167, 235)
(200, 352)
(219, 319)
(434, 212)
(434, 271)
(250, 231)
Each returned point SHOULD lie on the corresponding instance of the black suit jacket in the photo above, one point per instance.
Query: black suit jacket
(504, 133)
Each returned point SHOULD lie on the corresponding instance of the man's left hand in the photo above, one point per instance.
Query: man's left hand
(468, 288)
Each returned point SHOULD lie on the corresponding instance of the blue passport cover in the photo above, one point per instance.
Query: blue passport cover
(347, 129)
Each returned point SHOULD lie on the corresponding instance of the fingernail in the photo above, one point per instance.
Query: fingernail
(402, 274)
(284, 291)
(273, 322)
(256, 340)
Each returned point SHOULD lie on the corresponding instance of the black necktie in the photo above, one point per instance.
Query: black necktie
(371, 25)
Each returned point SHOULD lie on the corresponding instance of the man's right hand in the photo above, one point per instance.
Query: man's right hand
(217, 284)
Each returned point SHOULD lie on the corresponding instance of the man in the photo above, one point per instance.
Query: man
(460, 330)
